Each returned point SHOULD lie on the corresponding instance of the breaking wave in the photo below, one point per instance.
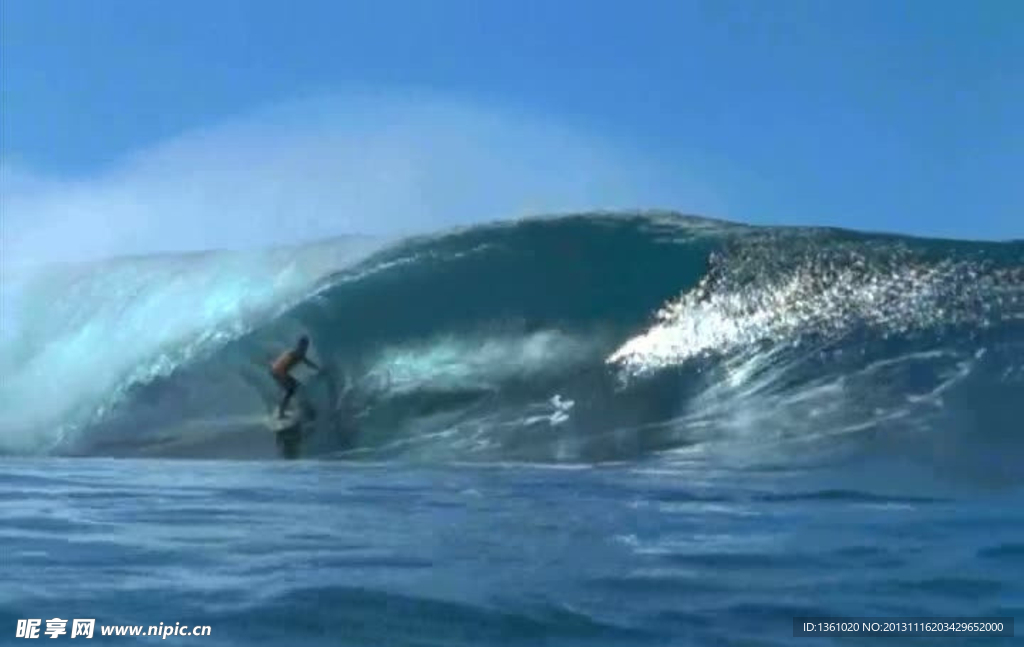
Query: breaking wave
(595, 337)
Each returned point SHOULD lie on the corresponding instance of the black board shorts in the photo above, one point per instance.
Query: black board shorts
(286, 382)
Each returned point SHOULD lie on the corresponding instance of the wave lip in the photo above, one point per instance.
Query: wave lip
(583, 338)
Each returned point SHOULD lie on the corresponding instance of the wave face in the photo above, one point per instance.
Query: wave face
(584, 338)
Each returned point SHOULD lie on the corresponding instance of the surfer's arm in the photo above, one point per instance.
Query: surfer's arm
(310, 363)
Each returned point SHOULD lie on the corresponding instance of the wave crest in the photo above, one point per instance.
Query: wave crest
(591, 337)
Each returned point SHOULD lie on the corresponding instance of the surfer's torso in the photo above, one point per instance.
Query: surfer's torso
(285, 362)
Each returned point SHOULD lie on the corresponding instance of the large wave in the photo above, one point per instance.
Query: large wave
(583, 338)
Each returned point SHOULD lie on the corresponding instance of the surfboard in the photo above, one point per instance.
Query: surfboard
(289, 422)
(292, 420)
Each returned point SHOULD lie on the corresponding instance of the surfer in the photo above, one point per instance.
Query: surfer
(280, 370)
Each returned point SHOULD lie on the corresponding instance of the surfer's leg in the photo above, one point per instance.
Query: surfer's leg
(289, 384)
(284, 402)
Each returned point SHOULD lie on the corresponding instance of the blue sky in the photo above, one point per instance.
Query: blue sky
(897, 116)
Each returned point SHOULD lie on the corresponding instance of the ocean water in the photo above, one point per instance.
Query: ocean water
(642, 429)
